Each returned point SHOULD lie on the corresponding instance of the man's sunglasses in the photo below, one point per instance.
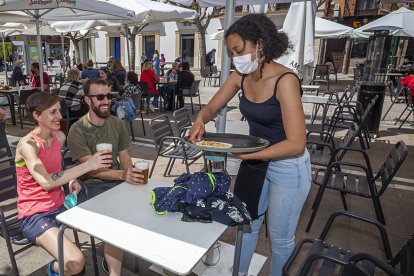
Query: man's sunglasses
(100, 97)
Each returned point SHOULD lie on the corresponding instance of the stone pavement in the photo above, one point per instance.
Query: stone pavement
(397, 201)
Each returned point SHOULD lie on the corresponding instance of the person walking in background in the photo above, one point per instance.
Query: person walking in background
(67, 61)
(17, 77)
(35, 78)
(271, 103)
(211, 58)
(40, 178)
(148, 75)
(156, 62)
(118, 71)
(99, 126)
(162, 64)
(72, 93)
(89, 72)
(143, 59)
(184, 80)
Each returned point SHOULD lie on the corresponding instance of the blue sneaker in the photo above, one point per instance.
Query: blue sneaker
(50, 271)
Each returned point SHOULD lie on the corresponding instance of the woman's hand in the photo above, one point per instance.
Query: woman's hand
(101, 159)
(74, 186)
(196, 132)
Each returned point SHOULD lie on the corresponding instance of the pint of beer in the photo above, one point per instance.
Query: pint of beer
(104, 146)
(144, 167)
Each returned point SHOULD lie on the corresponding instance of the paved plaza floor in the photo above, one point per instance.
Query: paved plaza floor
(397, 201)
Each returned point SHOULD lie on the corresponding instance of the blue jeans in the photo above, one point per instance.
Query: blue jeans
(285, 190)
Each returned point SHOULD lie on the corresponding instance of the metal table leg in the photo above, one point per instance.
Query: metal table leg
(60, 249)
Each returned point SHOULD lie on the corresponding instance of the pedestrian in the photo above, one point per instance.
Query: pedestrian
(143, 59)
(211, 58)
(67, 61)
(156, 62)
(271, 102)
(40, 178)
(162, 64)
(17, 77)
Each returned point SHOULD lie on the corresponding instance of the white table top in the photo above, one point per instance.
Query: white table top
(123, 217)
(311, 87)
(316, 99)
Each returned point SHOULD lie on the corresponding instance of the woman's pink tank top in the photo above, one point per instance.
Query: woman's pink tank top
(32, 198)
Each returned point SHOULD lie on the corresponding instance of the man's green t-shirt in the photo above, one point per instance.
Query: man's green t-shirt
(83, 137)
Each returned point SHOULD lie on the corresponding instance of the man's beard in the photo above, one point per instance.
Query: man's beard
(99, 113)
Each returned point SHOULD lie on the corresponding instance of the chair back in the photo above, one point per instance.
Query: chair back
(7, 180)
(347, 140)
(161, 127)
(182, 119)
(136, 99)
(144, 88)
(4, 144)
(391, 164)
(321, 72)
(204, 71)
(193, 91)
(23, 95)
(369, 107)
(213, 69)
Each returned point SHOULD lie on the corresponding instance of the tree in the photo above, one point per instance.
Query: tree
(132, 34)
(75, 38)
(202, 20)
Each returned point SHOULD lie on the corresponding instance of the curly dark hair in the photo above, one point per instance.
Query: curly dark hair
(258, 27)
(132, 77)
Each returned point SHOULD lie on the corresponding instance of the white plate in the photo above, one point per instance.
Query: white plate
(222, 145)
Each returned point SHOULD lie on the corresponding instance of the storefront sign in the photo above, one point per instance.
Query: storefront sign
(356, 24)
(39, 2)
(18, 37)
(32, 42)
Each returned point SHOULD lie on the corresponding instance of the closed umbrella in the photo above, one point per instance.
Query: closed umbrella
(54, 10)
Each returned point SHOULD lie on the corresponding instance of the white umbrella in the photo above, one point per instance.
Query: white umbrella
(399, 23)
(54, 10)
(211, 3)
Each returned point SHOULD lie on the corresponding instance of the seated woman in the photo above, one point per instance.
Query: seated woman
(105, 73)
(148, 75)
(40, 179)
(72, 92)
(184, 80)
(118, 72)
(131, 86)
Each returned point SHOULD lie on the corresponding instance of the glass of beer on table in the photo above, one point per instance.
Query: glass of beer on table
(144, 167)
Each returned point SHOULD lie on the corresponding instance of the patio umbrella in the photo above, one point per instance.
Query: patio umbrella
(54, 10)
(146, 11)
(399, 23)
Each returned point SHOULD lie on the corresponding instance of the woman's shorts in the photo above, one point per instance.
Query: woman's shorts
(35, 225)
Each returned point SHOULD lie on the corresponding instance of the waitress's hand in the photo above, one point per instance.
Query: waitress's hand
(196, 132)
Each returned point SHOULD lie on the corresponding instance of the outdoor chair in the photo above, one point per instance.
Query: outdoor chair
(146, 95)
(182, 121)
(204, 73)
(137, 99)
(192, 92)
(169, 146)
(409, 106)
(334, 71)
(5, 150)
(321, 75)
(214, 75)
(323, 258)
(66, 118)
(338, 176)
(396, 95)
(322, 148)
(23, 95)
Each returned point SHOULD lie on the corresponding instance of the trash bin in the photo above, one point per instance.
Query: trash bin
(366, 93)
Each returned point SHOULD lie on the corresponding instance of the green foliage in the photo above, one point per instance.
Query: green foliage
(8, 46)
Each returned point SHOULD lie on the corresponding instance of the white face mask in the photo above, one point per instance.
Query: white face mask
(244, 64)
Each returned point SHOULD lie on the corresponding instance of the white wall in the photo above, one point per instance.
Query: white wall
(100, 46)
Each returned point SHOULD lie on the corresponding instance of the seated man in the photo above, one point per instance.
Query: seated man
(89, 72)
(35, 78)
(98, 126)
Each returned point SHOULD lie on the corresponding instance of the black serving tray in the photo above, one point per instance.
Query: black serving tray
(240, 143)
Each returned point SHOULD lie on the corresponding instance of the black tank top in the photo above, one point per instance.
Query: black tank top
(265, 118)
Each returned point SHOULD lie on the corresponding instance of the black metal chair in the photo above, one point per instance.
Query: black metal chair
(191, 92)
(396, 95)
(323, 258)
(321, 75)
(137, 99)
(321, 145)
(204, 73)
(409, 106)
(146, 95)
(5, 150)
(214, 75)
(338, 177)
(68, 120)
(182, 121)
(169, 146)
(23, 95)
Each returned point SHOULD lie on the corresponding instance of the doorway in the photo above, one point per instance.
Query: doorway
(115, 47)
(149, 46)
(187, 48)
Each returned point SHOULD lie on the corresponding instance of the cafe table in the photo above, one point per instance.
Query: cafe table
(10, 93)
(123, 217)
(323, 101)
(164, 83)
